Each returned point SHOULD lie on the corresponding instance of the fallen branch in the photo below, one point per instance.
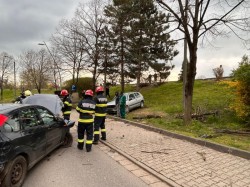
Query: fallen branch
(147, 117)
(202, 155)
(227, 131)
(154, 152)
(199, 116)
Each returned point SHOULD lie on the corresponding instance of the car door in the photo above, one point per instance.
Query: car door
(33, 133)
(132, 101)
(138, 99)
(54, 130)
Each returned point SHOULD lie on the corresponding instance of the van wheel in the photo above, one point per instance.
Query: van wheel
(17, 172)
(68, 140)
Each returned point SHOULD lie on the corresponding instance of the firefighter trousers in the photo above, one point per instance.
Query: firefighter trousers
(82, 127)
(99, 122)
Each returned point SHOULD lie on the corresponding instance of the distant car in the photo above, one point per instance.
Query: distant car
(28, 133)
(133, 100)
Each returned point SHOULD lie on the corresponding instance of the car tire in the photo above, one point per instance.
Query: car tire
(68, 140)
(142, 104)
(127, 109)
(16, 173)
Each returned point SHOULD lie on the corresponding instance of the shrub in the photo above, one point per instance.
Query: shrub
(242, 76)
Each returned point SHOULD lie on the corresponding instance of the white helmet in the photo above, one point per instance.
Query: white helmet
(27, 93)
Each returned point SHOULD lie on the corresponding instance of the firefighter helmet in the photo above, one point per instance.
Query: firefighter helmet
(89, 92)
(27, 93)
(64, 93)
(99, 89)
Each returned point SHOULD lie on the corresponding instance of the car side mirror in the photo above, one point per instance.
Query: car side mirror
(60, 120)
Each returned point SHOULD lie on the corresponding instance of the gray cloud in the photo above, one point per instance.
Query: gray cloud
(25, 23)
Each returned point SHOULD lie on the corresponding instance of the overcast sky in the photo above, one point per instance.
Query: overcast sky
(25, 23)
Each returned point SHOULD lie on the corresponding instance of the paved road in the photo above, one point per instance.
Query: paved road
(70, 167)
(178, 161)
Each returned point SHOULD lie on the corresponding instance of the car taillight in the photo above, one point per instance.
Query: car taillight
(3, 119)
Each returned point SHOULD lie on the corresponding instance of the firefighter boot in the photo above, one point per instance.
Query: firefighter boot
(103, 136)
(80, 146)
(88, 147)
(96, 139)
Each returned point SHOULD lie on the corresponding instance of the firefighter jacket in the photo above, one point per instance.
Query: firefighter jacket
(86, 108)
(101, 105)
(67, 105)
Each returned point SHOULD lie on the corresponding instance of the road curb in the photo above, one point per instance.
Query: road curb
(215, 146)
(143, 166)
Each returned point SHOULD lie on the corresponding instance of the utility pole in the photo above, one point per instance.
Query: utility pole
(14, 78)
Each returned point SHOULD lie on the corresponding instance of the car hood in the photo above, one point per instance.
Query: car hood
(49, 101)
(111, 103)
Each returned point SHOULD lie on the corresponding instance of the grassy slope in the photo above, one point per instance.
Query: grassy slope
(166, 100)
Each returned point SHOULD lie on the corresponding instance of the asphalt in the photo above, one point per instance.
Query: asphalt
(178, 160)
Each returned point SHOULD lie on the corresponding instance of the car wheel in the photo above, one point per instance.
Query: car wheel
(142, 104)
(17, 172)
(68, 140)
(127, 109)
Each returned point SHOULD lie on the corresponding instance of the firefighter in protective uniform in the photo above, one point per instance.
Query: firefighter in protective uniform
(67, 104)
(100, 115)
(86, 108)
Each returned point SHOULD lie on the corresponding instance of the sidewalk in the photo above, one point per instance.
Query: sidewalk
(177, 162)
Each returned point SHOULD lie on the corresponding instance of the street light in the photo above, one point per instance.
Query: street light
(55, 64)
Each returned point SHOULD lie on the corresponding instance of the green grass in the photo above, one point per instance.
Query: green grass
(209, 96)
(166, 100)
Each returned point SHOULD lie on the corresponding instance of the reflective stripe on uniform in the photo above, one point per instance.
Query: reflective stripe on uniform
(86, 120)
(85, 111)
(96, 132)
(67, 112)
(67, 103)
(103, 130)
(100, 115)
(89, 142)
(80, 140)
(101, 105)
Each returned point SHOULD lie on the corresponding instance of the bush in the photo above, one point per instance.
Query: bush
(242, 76)
(84, 83)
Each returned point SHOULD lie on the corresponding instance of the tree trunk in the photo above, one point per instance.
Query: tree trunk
(122, 64)
(189, 87)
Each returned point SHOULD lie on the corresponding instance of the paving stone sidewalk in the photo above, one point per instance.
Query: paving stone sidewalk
(181, 162)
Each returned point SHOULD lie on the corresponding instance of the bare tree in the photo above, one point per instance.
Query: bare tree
(69, 46)
(35, 69)
(91, 19)
(199, 19)
(6, 67)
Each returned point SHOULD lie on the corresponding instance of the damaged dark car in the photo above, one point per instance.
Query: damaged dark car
(29, 132)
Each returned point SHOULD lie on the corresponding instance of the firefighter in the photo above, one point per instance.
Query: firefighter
(100, 114)
(86, 108)
(67, 104)
(122, 105)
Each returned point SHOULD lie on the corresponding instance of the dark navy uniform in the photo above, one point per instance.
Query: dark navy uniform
(86, 108)
(100, 116)
(66, 109)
